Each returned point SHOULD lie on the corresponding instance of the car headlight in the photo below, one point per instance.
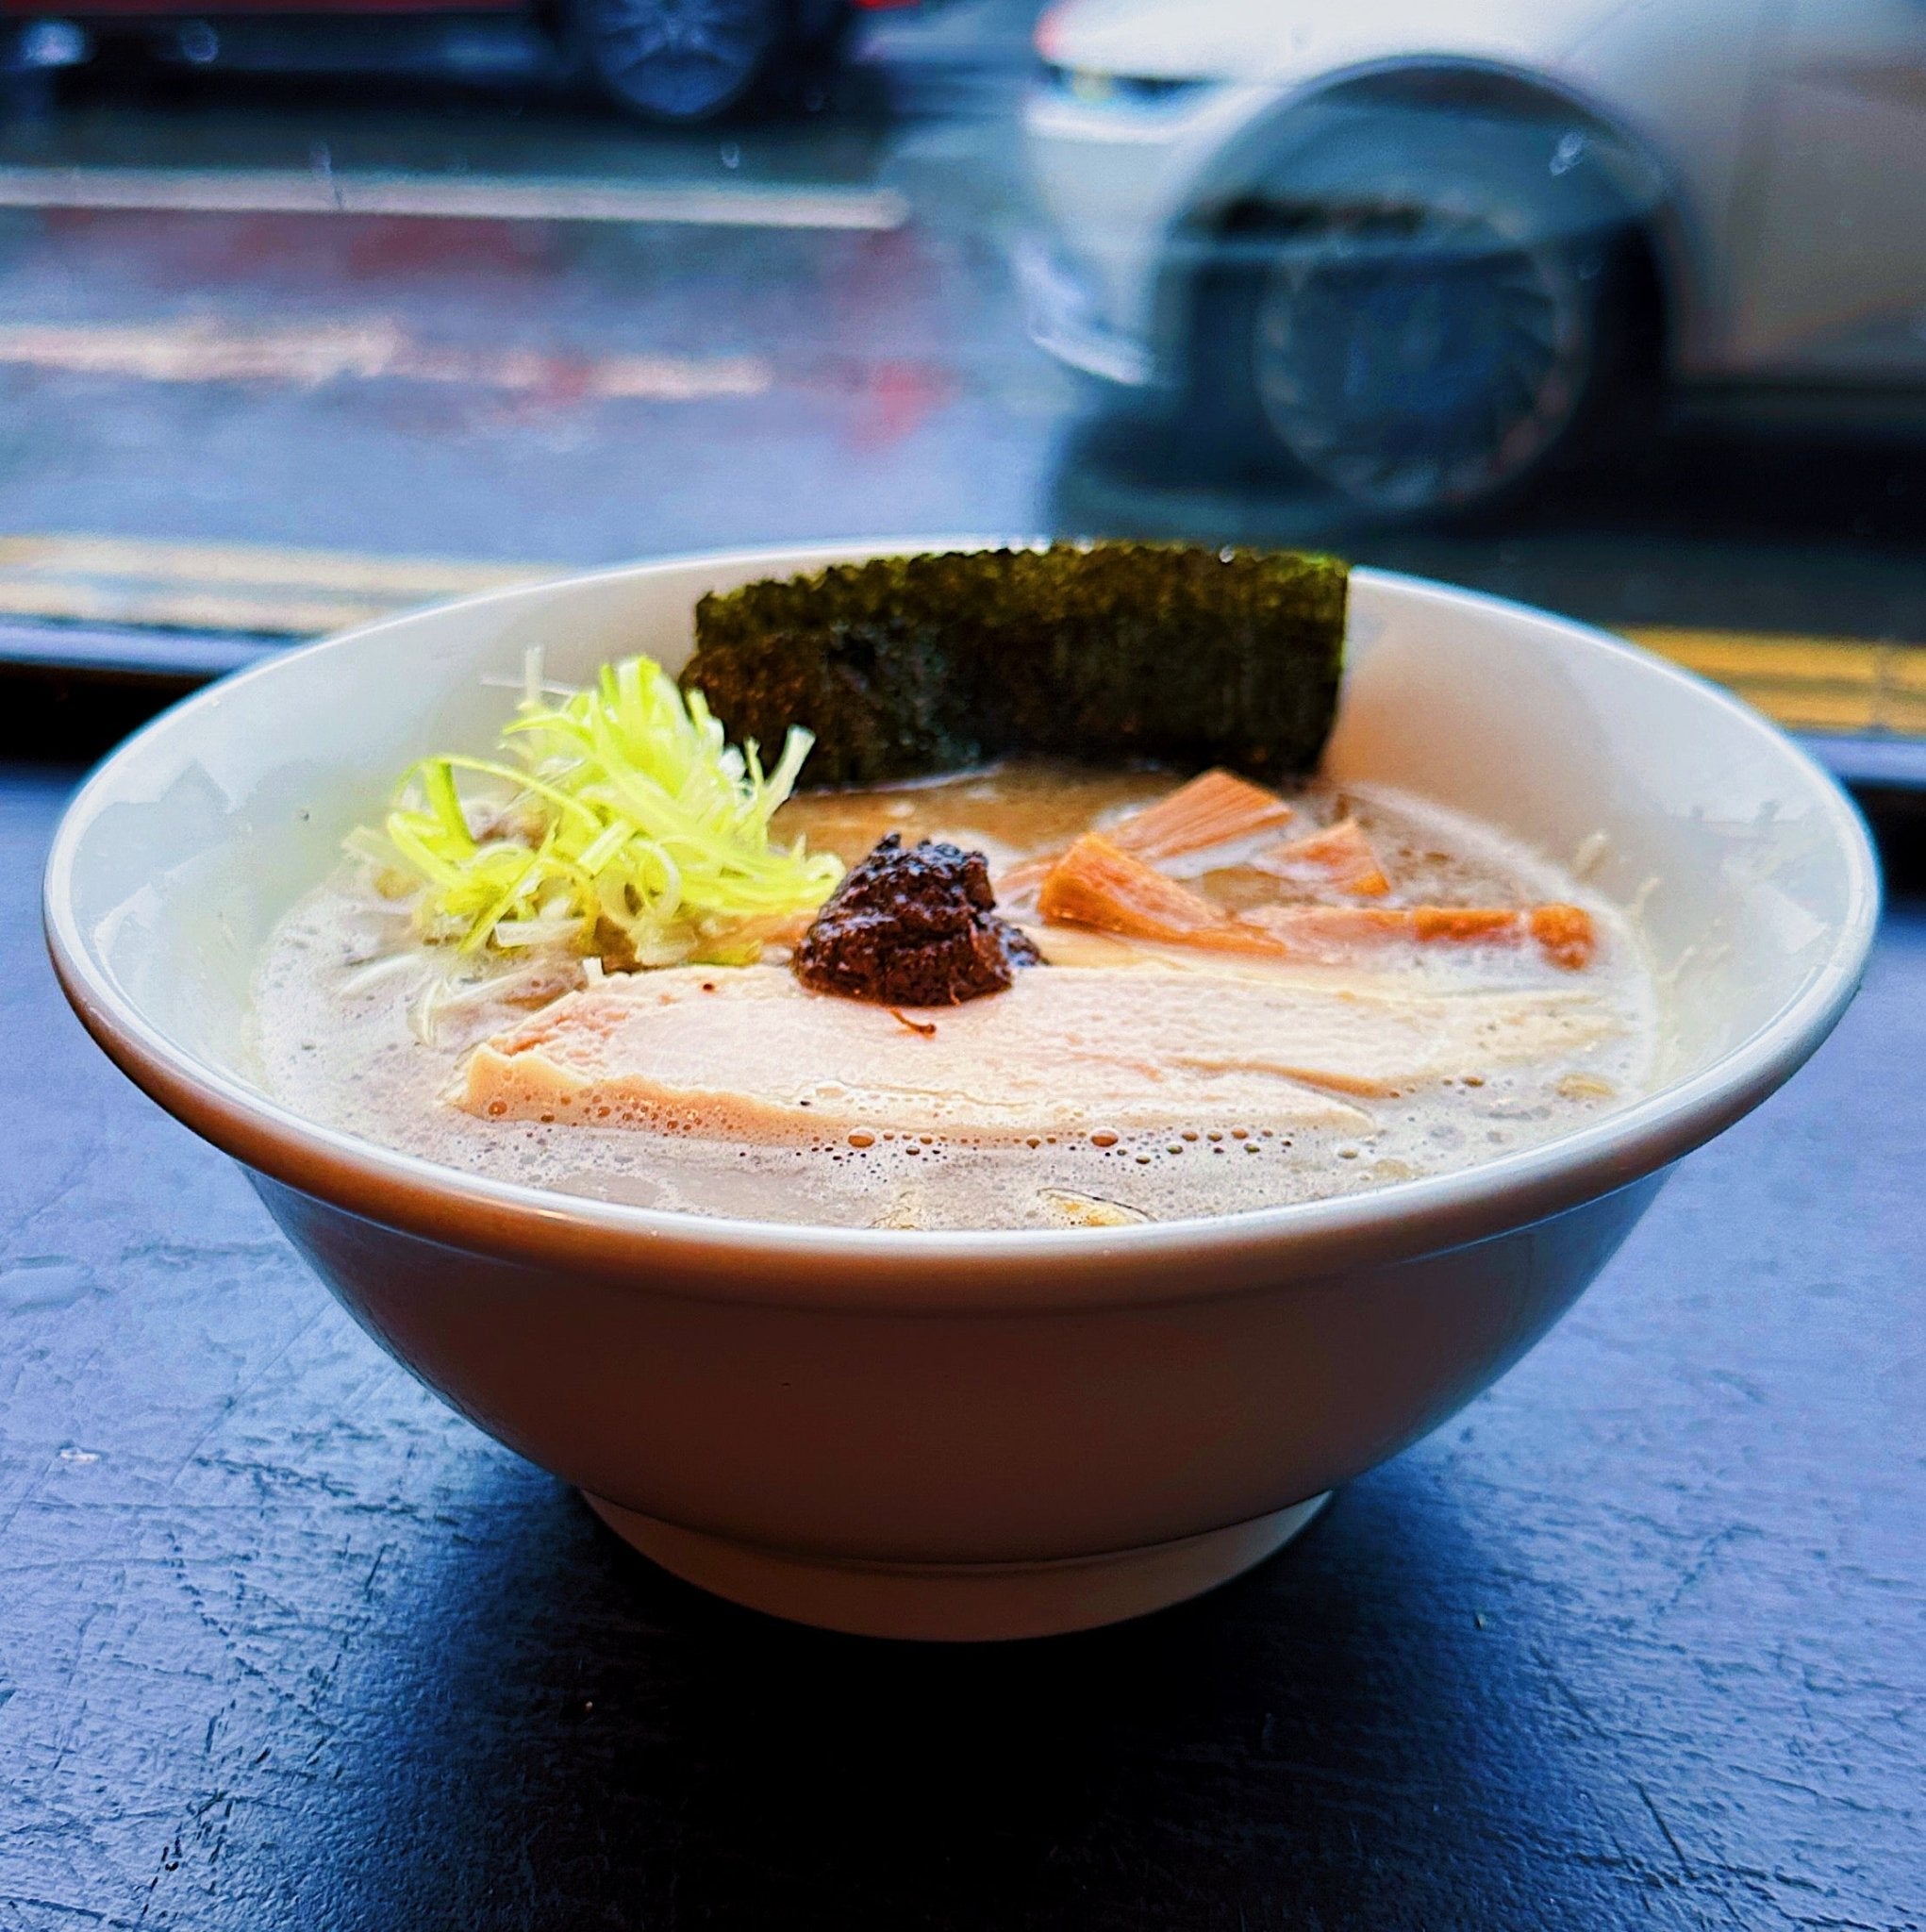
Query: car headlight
(1096, 90)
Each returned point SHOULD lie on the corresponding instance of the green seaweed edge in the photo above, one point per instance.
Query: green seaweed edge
(908, 666)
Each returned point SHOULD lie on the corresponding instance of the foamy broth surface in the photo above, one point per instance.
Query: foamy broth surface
(340, 976)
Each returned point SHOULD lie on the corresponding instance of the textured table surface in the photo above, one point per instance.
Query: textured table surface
(1640, 1638)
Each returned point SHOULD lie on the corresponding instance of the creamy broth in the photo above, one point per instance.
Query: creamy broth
(341, 978)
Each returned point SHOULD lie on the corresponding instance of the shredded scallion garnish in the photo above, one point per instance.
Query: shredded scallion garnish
(617, 821)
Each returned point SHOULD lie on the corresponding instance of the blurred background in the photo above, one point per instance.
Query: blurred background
(1615, 305)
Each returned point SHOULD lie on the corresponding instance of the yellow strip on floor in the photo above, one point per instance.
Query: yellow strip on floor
(1807, 683)
(274, 590)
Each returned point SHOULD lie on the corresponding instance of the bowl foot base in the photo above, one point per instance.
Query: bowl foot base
(959, 1602)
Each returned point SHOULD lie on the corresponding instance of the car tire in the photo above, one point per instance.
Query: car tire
(679, 61)
(1417, 368)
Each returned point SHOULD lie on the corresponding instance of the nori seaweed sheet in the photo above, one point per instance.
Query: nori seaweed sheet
(905, 666)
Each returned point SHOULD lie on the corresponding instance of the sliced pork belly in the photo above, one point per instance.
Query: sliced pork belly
(748, 1052)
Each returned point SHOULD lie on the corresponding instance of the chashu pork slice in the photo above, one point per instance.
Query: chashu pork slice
(747, 1053)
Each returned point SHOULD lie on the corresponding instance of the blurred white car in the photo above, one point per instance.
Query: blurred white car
(1425, 247)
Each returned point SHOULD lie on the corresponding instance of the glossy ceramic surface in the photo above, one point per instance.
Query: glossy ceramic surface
(1066, 1426)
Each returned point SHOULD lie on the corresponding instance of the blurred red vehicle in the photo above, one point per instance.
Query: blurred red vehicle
(674, 60)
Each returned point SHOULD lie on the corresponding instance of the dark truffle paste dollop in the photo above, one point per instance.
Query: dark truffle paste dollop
(913, 927)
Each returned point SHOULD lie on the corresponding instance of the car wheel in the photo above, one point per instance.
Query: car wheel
(1425, 363)
(679, 60)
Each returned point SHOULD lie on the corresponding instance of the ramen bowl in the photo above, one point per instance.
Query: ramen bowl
(967, 1435)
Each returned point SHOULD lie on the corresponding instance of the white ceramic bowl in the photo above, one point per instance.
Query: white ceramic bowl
(967, 1435)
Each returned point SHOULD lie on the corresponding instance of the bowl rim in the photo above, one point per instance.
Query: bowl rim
(982, 1269)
